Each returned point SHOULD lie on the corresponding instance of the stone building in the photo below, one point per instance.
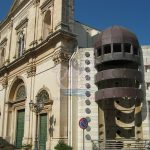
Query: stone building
(47, 56)
(36, 41)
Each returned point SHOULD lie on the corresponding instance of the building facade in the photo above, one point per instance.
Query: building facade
(36, 41)
(127, 121)
(45, 55)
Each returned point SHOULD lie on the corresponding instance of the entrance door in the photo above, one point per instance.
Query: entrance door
(20, 128)
(42, 131)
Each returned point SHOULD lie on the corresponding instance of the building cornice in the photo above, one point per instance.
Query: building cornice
(12, 13)
(47, 4)
(16, 9)
(51, 40)
(22, 23)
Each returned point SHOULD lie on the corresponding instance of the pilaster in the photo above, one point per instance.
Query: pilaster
(63, 14)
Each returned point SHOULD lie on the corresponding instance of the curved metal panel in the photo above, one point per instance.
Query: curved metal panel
(116, 34)
(118, 92)
(117, 56)
(118, 73)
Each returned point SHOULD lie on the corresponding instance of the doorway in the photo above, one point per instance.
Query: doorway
(42, 131)
(20, 127)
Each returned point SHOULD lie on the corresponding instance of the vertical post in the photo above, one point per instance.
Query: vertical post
(36, 133)
(83, 139)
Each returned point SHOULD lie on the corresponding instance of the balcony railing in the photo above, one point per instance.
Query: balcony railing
(121, 144)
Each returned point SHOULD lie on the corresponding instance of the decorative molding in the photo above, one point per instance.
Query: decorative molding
(23, 23)
(33, 43)
(36, 2)
(16, 4)
(5, 81)
(46, 5)
(3, 41)
(61, 56)
(62, 25)
(14, 11)
(14, 104)
(52, 39)
(21, 93)
(47, 106)
(31, 70)
(11, 24)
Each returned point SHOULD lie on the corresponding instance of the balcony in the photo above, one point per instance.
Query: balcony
(118, 92)
(118, 73)
(117, 56)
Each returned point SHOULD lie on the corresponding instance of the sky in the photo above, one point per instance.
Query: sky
(101, 14)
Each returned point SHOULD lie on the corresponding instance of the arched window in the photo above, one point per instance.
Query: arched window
(43, 96)
(21, 43)
(47, 24)
(21, 93)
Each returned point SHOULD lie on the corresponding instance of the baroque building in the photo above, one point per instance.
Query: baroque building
(45, 55)
(36, 42)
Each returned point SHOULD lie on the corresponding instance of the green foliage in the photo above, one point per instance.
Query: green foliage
(4, 145)
(26, 146)
(62, 146)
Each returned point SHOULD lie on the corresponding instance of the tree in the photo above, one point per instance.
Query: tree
(62, 146)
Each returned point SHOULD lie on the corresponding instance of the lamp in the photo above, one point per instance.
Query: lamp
(37, 108)
(31, 104)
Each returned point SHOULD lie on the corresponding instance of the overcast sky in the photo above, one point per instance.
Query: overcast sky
(100, 14)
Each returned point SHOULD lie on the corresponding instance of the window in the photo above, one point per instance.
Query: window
(43, 96)
(148, 85)
(21, 43)
(87, 54)
(87, 69)
(87, 77)
(118, 118)
(107, 49)
(147, 68)
(87, 93)
(87, 61)
(21, 93)
(47, 24)
(135, 50)
(118, 132)
(99, 51)
(21, 30)
(87, 85)
(127, 48)
(117, 47)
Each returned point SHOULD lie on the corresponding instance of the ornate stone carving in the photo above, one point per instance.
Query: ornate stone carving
(48, 107)
(22, 24)
(31, 70)
(43, 96)
(36, 2)
(5, 81)
(61, 56)
(21, 93)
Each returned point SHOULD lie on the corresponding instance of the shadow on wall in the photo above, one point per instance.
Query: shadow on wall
(52, 122)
